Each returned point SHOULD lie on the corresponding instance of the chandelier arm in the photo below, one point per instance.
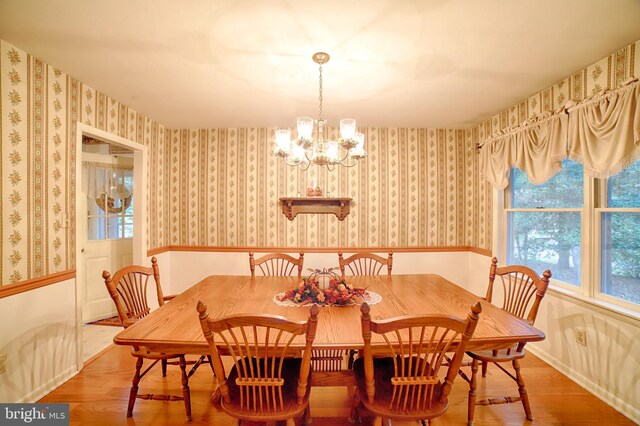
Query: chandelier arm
(303, 168)
(343, 161)
(288, 163)
(355, 162)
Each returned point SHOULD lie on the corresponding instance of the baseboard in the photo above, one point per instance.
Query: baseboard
(624, 407)
(46, 388)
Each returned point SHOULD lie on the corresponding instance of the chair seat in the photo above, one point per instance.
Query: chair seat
(383, 372)
(500, 356)
(290, 374)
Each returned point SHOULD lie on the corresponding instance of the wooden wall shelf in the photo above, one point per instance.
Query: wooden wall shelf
(291, 206)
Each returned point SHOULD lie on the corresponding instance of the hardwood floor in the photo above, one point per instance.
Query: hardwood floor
(99, 395)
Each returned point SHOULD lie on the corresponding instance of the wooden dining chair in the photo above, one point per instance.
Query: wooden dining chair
(128, 290)
(362, 264)
(406, 384)
(520, 294)
(267, 382)
(276, 264)
(365, 264)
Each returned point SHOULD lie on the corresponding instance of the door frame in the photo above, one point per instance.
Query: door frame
(140, 153)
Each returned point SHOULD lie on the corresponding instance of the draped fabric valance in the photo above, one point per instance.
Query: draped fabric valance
(602, 133)
(537, 148)
(104, 178)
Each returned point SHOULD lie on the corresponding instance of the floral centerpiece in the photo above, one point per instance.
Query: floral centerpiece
(323, 287)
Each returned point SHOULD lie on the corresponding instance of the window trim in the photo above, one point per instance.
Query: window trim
(588, 291)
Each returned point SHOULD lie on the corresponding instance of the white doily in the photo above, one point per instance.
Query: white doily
(370, 297)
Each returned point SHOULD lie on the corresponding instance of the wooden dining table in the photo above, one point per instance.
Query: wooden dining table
(175, 327)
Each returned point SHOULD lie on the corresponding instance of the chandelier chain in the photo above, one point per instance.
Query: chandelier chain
(320, 94)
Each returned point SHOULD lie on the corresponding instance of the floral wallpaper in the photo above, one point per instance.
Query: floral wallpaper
(606, 74)
(39, 109)
(220, 187)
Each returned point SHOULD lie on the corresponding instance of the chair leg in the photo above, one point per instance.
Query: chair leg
(291, 422)
(485, 364)
(185, 387)
(211, 365)
(354, 416)
(306, 416)
(521, 389)
(472, 392)
(134, 387)
(377, 421)
(164, 368)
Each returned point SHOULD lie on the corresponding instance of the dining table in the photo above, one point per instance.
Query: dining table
(175, 327)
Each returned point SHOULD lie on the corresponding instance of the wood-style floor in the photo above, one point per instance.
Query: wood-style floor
(99, 395)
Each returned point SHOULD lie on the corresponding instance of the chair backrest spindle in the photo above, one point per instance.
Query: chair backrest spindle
(128, 290)
(522, 289)
(365, 264)
(259, 346)
(417, 345)
(276, 264)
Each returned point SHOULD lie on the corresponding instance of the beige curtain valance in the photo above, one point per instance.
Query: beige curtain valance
(537, 147)
(601, 132)
(604, 131)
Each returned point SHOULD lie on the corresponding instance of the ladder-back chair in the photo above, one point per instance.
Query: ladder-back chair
(406, 384)
(365, 264)
(267, 382)
(521, 290)
(276, 264)
(128, 290)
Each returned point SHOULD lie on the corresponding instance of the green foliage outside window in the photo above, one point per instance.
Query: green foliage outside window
(547, 239)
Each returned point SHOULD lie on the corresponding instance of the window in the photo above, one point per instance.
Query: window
(586, 231)
(544, 223)
(620, 236)
(107, 219)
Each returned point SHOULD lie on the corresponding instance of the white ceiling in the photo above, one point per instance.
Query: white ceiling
(247, 63)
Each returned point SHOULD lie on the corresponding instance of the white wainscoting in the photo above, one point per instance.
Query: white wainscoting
(185, 269)
(38, 332)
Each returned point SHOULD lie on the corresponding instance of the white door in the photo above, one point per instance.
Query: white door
(102, 246)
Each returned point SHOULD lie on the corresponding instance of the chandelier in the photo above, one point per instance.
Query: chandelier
(307, 149)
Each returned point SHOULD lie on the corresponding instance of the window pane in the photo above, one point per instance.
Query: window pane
(624, 188)
(564, 190)
(621, 255)
(546, 240)
(128, 230)
(114, 227)
(96, 228)
(129, 210)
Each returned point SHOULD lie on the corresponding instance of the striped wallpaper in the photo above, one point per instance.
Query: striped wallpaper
(416, 188)
(220, 187)
(608, 73)
(39, 109)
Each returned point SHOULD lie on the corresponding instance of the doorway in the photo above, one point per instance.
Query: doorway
(105, 230)
(110, 226)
